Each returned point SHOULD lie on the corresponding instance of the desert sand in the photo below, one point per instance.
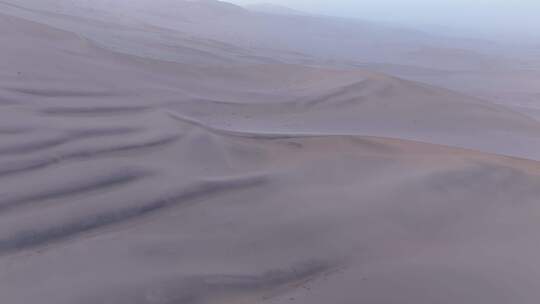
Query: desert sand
(203, 154)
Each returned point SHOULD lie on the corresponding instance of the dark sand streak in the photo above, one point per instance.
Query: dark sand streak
(120, 178)
(33, 165)
(202, 190)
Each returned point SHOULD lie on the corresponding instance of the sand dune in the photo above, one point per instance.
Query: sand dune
(146, 162)
(273, 9)
(432, 195)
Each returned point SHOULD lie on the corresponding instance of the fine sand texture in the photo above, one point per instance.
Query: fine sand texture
(197, 155)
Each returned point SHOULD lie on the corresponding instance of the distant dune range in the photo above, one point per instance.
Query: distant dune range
(148, 159)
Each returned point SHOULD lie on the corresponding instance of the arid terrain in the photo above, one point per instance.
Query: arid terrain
(209, 153)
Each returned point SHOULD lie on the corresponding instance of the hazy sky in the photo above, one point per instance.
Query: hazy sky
(502, 15)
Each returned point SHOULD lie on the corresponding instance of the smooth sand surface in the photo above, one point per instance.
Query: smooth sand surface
(144, 161)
